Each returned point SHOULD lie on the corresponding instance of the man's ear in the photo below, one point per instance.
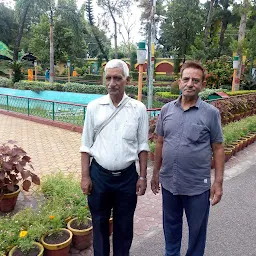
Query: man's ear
(128, 79)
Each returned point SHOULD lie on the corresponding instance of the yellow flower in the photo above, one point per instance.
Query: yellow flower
(23, 233)
(51, 217)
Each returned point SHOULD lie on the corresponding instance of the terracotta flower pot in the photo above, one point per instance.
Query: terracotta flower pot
(39, 251)
(82, 238)
(57, 249)
(9, 200)
(228, 154)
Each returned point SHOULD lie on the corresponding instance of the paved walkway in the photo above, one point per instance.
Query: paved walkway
(54, 148)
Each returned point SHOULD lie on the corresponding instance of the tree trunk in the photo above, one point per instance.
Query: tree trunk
(208, 22)
(241, 36)
(51, 49)
(20, 32)
(115, 37)
(224, 26)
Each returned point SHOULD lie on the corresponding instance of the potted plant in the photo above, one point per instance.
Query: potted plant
(26, 245)
(57, 239)
(81, 227)
(67, 189)
(20, 233)
(15, 167)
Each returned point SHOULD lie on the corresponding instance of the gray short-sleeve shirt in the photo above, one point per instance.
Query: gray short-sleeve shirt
(187, 151)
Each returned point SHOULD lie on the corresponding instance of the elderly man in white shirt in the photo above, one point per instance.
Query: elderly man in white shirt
(115, 135)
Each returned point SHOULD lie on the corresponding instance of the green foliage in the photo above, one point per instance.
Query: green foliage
(133, 60)
(184, 21)
(219, 72)
(152, 146)
(175, 87)
(168, 95)
(83, 88)
(5, 82)
(236, 130)
(66, 189)
(165, 78)
(17, 73)
(207, 92)
(235, 93)
(38, 86)
(134, 75)
(92, 77)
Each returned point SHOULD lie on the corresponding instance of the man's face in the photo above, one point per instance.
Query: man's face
(191, 82)
(115, 81)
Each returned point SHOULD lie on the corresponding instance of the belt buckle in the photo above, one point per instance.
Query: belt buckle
(116, 173)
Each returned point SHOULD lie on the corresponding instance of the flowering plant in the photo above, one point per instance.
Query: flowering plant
(15, 166)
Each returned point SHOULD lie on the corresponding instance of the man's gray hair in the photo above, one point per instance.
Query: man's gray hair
(117, 63)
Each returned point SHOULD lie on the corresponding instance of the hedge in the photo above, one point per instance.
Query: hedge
(6, 82)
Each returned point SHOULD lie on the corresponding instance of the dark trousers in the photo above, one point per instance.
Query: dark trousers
(197, 212)
(117, 192)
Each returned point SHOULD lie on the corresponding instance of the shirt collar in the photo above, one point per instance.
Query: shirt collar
(106, 100)
(177, 102)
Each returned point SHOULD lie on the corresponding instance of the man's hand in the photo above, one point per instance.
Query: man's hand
(155, 183)
(141, 187)
(86, 185)
(216, 192)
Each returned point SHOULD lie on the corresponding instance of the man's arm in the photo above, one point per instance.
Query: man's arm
(219, 160)
(141, 185)
(86, 183)
(157, 165)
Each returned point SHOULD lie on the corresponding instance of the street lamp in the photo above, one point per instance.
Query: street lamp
(35, 65)
(68, 65)
(141, 57)
(235, 67)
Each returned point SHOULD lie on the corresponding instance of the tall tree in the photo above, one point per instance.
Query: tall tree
(208, 22)
(113, 10)
(22, 8)
(241, 37)
(184, 21)
(7, 24)
(98, 35)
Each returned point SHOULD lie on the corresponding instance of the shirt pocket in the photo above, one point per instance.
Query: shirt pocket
(198, 133)
(129, 132)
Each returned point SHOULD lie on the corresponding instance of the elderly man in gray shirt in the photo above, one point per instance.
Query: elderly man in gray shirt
(189, 132)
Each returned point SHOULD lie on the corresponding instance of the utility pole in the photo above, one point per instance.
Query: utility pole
(51, 47)
(151, 53)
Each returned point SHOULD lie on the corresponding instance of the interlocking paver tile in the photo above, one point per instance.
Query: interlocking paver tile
(52, 149)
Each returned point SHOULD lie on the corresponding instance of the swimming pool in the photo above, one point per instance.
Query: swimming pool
(79, 98)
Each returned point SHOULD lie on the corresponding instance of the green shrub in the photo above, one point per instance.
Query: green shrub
(134, 75)
(17, 73)
(236, 130)
(167, 95)
(175, 87)
(240, 92)
(92, 77)
(5, 82)
(204, 94)
(164, 78)
(219, 71)
(38, 86)
(84, 88)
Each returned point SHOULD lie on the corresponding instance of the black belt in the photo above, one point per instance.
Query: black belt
(116, 172)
